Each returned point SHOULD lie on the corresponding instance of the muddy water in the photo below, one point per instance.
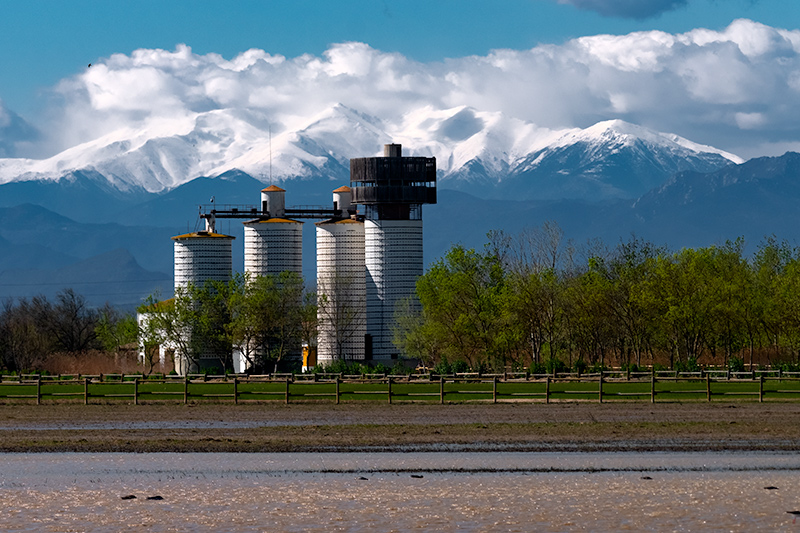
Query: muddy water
(399, 492)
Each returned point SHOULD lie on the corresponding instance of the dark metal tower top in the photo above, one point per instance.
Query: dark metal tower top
(396, 185)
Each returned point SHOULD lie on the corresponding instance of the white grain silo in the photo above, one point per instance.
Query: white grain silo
(275, 244)
(392, 189)
(341, 313)
(200, 257)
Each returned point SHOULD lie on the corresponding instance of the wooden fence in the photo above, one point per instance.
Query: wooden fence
(456, 388)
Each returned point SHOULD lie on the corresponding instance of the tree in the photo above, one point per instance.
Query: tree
(115, 329)
(269, 317)
(24, 342)
(462, 300)
(627, 270)
(70, 321)
(341, 314)
(169, 324)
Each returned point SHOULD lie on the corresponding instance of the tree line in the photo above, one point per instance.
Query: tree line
(527, 301)
(535, 301)
(263, 318)
(33, 330)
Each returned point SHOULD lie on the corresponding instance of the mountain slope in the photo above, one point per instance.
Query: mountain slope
(114, 277)
(506, 157)
(754, 199)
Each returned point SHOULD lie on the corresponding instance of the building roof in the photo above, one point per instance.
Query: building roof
(201, 235)
(339, 221)
(343, 188)
(273, 188)
(275, 220)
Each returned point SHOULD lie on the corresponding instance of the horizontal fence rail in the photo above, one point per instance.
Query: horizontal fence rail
(455, 388)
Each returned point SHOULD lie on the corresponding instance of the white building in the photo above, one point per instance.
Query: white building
(199, 257)
(275, 244)
(341, 287)
(392, 188)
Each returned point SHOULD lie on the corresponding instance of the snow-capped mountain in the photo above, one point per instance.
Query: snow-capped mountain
(612, 159)
(506, 157)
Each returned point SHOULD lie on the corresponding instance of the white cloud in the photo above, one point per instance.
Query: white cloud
(737, 89)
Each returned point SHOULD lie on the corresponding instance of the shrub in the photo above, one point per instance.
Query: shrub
(537, 368)
(690, 365)
(629, 367)
(555, 365)
(736, 364)
(442, 367)
(597, 367)
(460, 366)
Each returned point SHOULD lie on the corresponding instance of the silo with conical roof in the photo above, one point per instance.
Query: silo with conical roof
(274, 243)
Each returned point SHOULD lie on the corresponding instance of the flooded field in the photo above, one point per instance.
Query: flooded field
(400, 492)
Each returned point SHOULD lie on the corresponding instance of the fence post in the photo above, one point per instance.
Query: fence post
(235, 390)
(600, 388)
(85, 391)
(39, 390)
(135, 391)
(547, 389)
(390, 389)
(287, 391)
(337, 390)
(185, 389)
(441, 390)
(653, 387)
(761, 388)
(708, 387)
(494, 389)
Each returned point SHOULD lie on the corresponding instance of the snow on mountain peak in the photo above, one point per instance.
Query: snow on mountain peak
(624, 133)
(163, 154)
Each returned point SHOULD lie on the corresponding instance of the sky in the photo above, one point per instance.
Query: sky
(719, 72)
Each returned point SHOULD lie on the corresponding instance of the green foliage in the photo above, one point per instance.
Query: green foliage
(554, 365)
(461, 316)
(353, 368)
(735, 364)
(526, 302)
(537, 368)
(690, 365)
(269, 318)
(580, 366)
(632, 367)
(115, 329)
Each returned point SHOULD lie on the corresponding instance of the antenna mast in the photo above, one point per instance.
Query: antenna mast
(270, 154)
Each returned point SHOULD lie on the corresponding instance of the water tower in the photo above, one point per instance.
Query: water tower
(392, 190)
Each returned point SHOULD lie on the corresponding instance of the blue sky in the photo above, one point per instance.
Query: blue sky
(43, 41)
(720, 72)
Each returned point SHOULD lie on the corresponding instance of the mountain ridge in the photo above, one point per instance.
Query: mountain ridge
(611, 159)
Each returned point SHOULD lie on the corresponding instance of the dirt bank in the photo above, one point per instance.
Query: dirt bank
(368, 426)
